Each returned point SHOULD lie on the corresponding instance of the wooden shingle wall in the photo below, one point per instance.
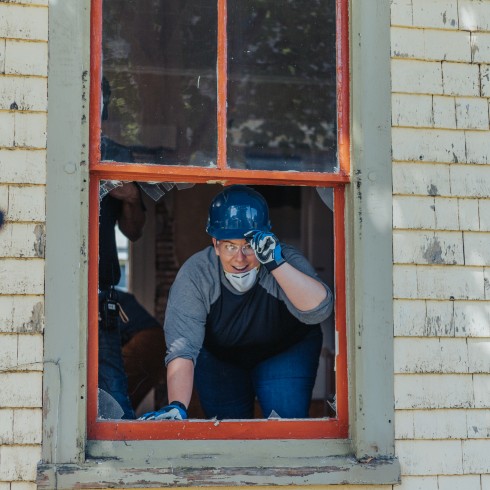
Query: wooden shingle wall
(441, 242)
(23, 121)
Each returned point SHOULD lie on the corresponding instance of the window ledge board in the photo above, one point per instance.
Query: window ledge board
(208, 470)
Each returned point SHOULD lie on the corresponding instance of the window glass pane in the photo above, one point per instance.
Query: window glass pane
(282, 85)
(159, 81)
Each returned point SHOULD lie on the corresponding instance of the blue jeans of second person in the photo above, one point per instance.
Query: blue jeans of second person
(282, 383)
(112, 376)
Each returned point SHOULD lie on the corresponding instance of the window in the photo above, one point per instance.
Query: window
(269, 109)
(67, 452)
(224, 86)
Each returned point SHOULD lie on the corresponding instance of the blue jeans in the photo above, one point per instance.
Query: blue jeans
(283, 383)
(112, 376)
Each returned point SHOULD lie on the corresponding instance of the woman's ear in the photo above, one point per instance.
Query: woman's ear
(215, 245)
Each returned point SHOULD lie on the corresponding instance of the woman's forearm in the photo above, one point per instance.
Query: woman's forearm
(180, 379)
(304, 292)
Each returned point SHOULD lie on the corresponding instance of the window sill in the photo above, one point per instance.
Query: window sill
(152, 464)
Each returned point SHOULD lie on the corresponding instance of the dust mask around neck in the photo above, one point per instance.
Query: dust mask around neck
(243, 281)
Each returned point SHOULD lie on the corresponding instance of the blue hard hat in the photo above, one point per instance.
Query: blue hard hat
(235, 211)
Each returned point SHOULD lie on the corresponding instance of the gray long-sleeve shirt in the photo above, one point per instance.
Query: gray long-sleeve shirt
(203, 308)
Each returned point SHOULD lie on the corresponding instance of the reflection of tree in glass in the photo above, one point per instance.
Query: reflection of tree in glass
(282, 84)
(189, 51)
(199, 53)
(124, 101)
(160, 57)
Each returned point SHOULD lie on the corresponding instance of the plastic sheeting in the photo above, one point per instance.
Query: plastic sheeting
(155, 190)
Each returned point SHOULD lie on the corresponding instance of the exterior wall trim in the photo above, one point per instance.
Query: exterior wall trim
(66, 232)
(370, 251)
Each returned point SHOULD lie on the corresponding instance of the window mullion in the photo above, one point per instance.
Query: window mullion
(343, 89)
(95, 81)
(341, 372)
(93, 324)
(222, 82)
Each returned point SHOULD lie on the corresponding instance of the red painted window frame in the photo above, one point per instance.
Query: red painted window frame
(198, 429)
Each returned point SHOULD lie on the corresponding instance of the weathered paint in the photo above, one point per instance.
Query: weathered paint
(66, 205)
(369, 247)
(101, 474)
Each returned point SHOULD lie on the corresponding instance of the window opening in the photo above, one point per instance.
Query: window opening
(300, 218)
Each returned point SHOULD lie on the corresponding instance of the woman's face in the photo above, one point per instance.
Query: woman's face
(236, 255)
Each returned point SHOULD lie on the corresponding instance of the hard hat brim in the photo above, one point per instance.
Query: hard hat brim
(227, 234)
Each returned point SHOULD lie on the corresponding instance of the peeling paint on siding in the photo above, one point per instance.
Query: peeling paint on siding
(36, 322)
(40, 243)
(433, 252)
(432, 190)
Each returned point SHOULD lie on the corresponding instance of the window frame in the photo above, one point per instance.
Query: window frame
(319, 428)
(222, 173)
(367, 457)
(335, 427)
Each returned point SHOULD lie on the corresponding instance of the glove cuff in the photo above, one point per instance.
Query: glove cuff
(181, 406)
(274, 264)
(178, 404)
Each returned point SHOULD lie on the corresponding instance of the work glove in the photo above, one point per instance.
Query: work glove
(266, 247)
(172, 411)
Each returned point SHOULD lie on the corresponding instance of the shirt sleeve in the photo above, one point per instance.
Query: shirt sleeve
(298, 261)
(188, 306)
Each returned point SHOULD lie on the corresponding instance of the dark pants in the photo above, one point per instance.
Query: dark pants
(112, 373)
(282, 384)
